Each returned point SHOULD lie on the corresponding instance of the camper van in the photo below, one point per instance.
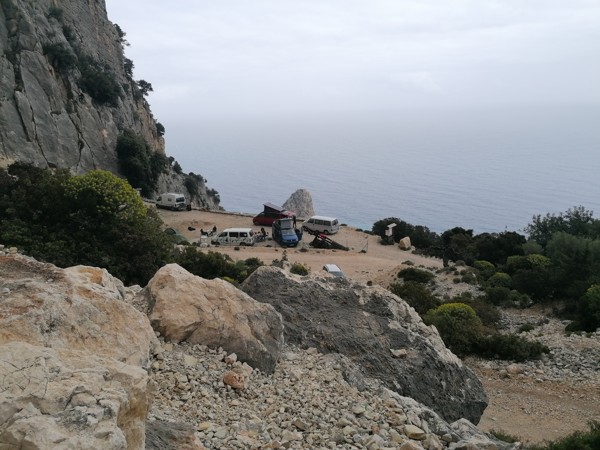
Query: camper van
(285, 234)
(321, 224)
(170, 200)
(235, 236)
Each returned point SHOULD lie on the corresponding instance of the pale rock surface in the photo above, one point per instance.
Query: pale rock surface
(300, 202)
(366, 323)
(405, 243)
(184, 307)
(79, 308)
(65, 399)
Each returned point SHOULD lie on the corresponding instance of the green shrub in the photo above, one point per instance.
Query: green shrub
(509, 347)
(140, 165)
(416, 295)
(485, 268)
(504, 437)
(98, 81)
(525, 328)
(458, 325)
(299, 269)
(61, 57)
(499, 279)
(96, 219)
(208, 265)
(579, 440)
(55, 12)
(416, 275)
(469, 278)
(587, 316)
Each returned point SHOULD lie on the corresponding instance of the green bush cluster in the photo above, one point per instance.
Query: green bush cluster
(416, 275)
(98, 81)
(579, 440)
(416, 295)
(299, 269)
(509, 346)
(61, 57)
(95, 219)
(140, 165)
(212, 265)
(458, 325)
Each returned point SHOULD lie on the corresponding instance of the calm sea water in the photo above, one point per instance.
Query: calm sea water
(489, 170)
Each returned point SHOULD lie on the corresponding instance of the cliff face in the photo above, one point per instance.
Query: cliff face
(67, 92)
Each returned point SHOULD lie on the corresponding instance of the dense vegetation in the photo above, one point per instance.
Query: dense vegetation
(140, 165)
(558, 262)
(96, 219)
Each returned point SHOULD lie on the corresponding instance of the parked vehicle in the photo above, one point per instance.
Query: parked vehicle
(171, 200)
(235, 236)
(321, 224)
(285, 234)
(270, 214)
(334, 270)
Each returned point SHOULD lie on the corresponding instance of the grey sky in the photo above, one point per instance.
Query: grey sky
(263, 57)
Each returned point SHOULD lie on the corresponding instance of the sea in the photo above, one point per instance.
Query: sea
(486, 169)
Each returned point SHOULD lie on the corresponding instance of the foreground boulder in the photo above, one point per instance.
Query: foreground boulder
(79, 308)
(184, 307)
(378, 331)
(70, 399)
(72, 359)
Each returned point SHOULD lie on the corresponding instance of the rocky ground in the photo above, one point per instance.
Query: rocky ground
(544, 399)
(535, 401)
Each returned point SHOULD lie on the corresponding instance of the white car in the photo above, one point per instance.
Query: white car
(333, 270)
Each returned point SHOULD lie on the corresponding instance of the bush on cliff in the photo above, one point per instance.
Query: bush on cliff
(95, 219)
(140, 165)
(416, 295)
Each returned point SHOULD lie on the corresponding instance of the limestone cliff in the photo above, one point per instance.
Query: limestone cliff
(67, 92)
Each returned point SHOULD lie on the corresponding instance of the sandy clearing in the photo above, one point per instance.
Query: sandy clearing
(367, 260)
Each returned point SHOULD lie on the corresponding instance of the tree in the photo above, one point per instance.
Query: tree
(140, 165)
(576, 221)
(145, 87)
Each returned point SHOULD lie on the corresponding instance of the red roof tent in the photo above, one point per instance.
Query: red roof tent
(271, 208)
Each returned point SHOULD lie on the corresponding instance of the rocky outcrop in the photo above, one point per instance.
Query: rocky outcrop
(70, 399)
(370, 325)
(47, 115)
(301, 203)
(73, 359)
(79, 308)
(184, 307)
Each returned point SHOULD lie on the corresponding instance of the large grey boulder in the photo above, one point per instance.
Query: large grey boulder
(184, 307)
(378, 331)
(301, 203)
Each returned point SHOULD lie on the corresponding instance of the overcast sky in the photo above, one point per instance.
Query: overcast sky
(263, 57)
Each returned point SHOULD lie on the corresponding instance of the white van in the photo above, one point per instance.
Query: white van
(170, 200)
(235, 236)
(321, 224)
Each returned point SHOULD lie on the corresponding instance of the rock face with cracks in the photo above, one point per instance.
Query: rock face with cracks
(372, 327)
(184, 307)
(73, 359)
